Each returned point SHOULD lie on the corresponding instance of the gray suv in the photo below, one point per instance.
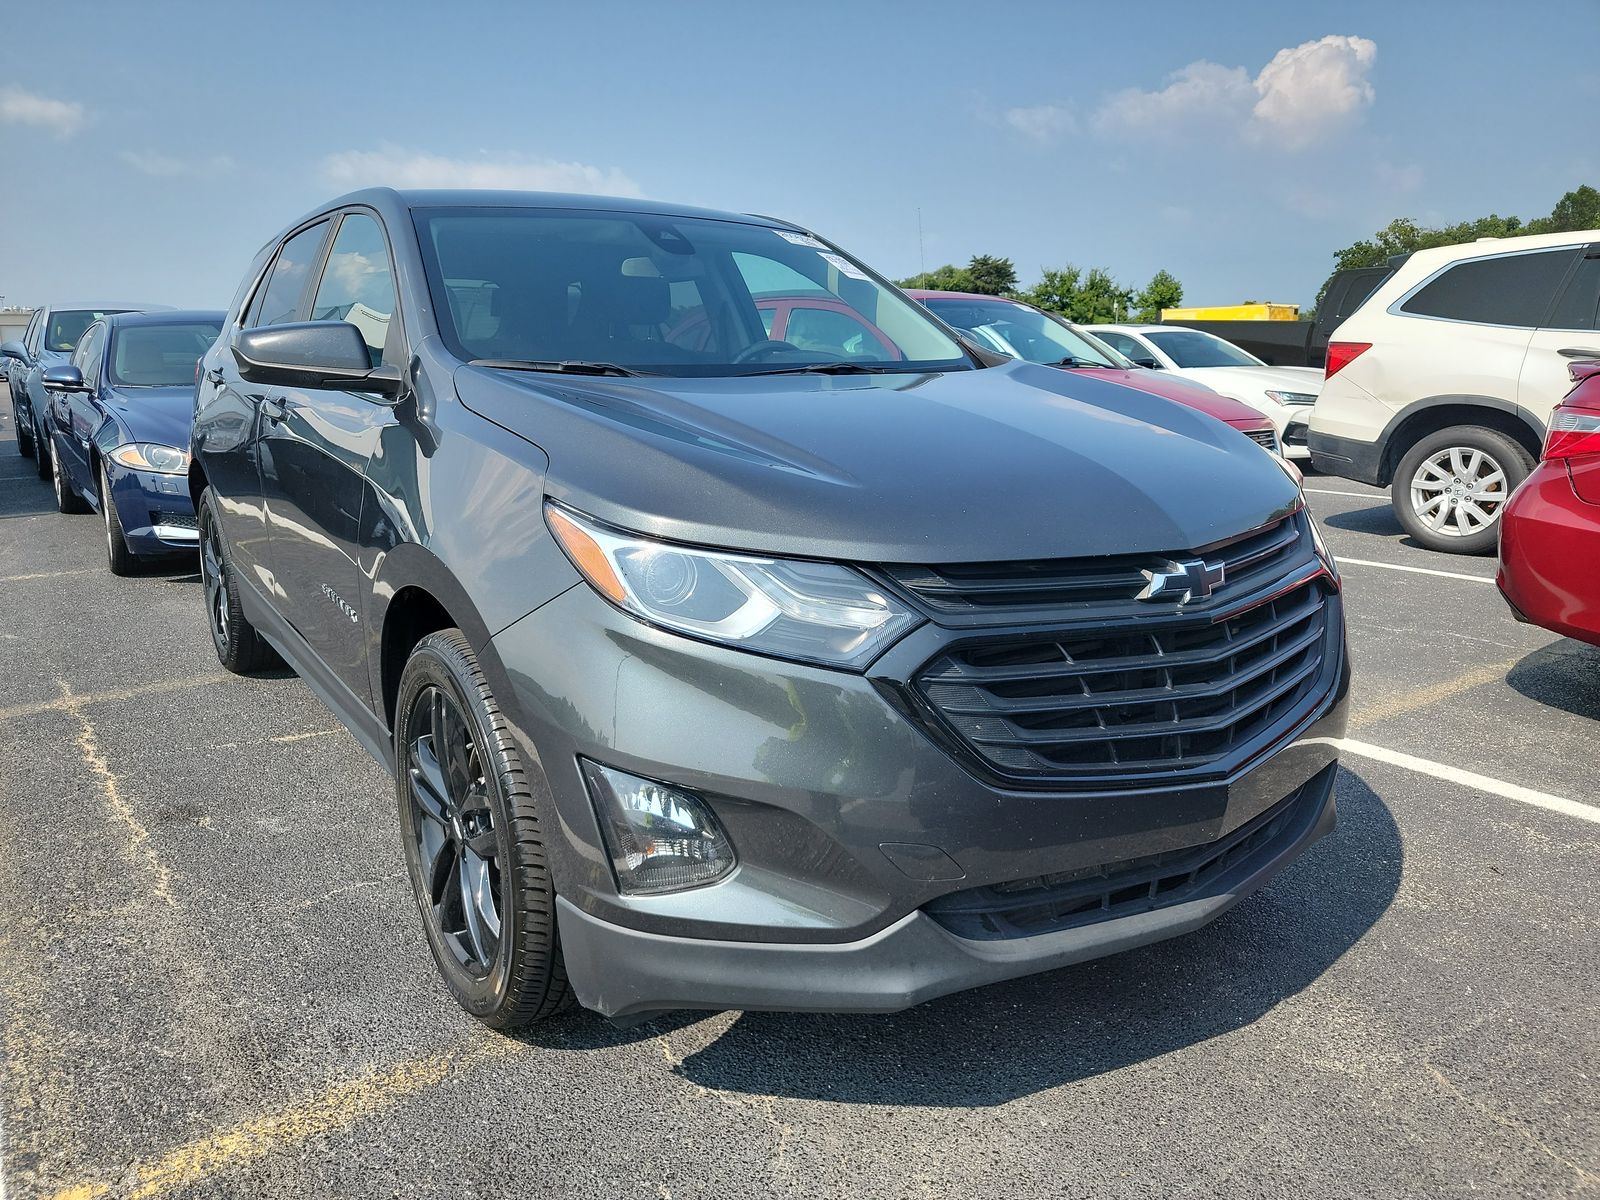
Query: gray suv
(835, 670)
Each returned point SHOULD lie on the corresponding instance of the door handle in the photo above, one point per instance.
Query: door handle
(1578, 352)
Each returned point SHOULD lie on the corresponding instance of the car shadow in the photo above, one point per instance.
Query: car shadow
(1008, 1040)
(1564, 675)
(1379, 519)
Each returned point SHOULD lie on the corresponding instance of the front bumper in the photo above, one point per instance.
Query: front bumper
(156, 511)
(848, 818)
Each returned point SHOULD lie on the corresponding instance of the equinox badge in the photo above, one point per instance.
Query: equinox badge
(1185, 581)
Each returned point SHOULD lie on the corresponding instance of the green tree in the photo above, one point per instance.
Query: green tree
(1057, 289)
(1101, 299)
(1163, 291)
(992, 276)
(948, 278)
(1578, 209)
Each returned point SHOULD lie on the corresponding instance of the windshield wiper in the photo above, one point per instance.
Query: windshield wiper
(830, 368)
(1072, 360)
(571, 366)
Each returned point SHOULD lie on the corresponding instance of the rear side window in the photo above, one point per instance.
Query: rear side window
(1579, 306)
(357, 284)
(1514, 289)
(279, 298)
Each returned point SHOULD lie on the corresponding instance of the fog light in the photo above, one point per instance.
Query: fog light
(660, 839)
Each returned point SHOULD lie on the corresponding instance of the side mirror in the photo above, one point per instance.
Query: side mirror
(312, 354)
(65, 378)
(14, 350)
(1147, 362)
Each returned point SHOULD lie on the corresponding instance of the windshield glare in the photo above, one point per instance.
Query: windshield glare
(159, 355)
(67, 327)
(1020, 331)
(663, 295)
(1192, 348)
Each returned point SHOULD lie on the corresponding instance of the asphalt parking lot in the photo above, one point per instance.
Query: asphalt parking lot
(213, 979)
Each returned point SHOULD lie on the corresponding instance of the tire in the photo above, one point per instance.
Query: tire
(43, 451)
(468, 816)
(24, 433)
(1451, 487)
(239, 647)
(67, 500)
(119, 558)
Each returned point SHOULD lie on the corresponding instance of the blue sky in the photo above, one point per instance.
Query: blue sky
(149, 149)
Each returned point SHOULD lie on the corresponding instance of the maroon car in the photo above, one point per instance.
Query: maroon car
(1023, 331)
(1550, 529)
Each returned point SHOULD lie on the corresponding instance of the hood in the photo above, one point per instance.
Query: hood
(161, 415)
(1184, 391)
(1012, 462)
(1255, 381)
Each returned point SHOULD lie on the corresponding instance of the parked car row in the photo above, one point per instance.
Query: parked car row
(738, 631)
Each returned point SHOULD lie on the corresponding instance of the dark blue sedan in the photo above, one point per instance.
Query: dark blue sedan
(118, 419)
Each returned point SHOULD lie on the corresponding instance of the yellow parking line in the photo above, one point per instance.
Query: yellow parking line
(1408, 702)
(82, 700)
(111, 790)
(337, 1106)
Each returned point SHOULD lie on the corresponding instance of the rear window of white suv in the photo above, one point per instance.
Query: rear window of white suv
(1512, 289)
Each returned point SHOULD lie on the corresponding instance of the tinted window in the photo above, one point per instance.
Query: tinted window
(1579, 306)
(1191, 348)
(1020, 331)
(357, 284)
(837, 334)
(160, 355)
(1123, 344)
(1514, 289)
(65, 327)
(279, 298)
(660, 294)
(90, 349)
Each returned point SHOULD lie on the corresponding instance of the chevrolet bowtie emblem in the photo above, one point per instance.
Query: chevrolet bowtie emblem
(1183, 582)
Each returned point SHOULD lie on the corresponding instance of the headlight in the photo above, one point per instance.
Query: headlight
(147, 456)
(1293, 397)
(815, 612)
(660, 838)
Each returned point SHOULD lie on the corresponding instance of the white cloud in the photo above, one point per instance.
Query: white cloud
(1198, 92)
(61, 117)
(1304, 93)
(164, 166)
(1041, 123)
(1311, 88)
(394, 166)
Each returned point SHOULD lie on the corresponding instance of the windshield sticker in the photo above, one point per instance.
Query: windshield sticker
(846, 267)
(800, 239)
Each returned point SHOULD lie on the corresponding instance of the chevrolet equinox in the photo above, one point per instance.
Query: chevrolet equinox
(832, 671)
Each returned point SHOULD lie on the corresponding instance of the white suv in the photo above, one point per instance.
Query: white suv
(1439, 387)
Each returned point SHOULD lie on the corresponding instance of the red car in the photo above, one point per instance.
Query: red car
(1550, 529)
(1023, 331)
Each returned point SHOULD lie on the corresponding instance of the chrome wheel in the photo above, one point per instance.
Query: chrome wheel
(1458, 491)
(213, 575)
(452, 827)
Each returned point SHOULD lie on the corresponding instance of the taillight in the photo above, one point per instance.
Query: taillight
(1574, 433)
(1342, 354)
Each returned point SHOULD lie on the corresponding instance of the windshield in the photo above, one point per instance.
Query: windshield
(1020, 331)
(1192, 348)
(663, 295)
(159, 355)
(67, 327)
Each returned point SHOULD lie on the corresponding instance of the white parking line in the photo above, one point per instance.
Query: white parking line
(1482, 783)
(1367, 562)
(1357, 495)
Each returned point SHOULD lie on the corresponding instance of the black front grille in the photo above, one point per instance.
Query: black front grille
(1135, 696)
(1047, 903)
(1073, 587)
(1295, 434)
(176, 520)
(1265, 437)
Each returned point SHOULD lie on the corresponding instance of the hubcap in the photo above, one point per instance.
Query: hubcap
(1459, 491)
(212, 575)
(452, 827)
